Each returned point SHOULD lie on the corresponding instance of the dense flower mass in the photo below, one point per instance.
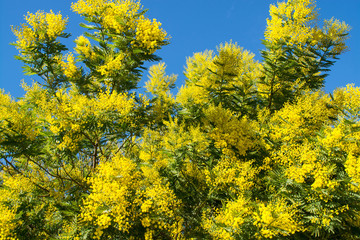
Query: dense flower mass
(245, 150)
(291, 21)
(83, 47)
(149, 34)
(112, 65)
(38, 28)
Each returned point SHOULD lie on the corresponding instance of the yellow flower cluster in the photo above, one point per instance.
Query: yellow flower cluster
(276, 218)
(291, 21)
(156, 148)
(122, 17)
(294, 125)
(12, 187)
(40, 26)
(197, 66)
(177, 137)
(159, 85)
(233, 175)
(89, 7)
(156, 202)
(325, 217)
(116, 189)
(68, 113)
(111, 188)
(109, 12)
(83, 47)
(336, 31)
(348, 99)
(112, 65)
(342, 135)
(25, 37)
(68, 231)
(7, 225)
(69, 68)
(150, 151)
(232, 66)
(352, 165)
(334, 137)
(303, 118)
(230, 132)
(15, 120)
(304, 162)
(196, 71)
(149, 34)
(235, 64)
(126, 9)
(227, 222)
(294, 21)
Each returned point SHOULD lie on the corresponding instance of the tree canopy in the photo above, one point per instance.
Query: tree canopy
(245, 150)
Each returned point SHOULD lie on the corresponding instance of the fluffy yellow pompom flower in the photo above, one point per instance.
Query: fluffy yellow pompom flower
(83, 47)
(123, 9)
(276, 218)
(112, 65)
(39, 26)
(69, 68)
(149, 34)
(291, 21)
(88, 7)
(109, 12)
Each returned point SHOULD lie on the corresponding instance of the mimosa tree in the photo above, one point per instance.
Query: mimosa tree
(245, 150)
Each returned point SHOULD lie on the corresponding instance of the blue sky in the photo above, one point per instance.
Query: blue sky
(194, 25)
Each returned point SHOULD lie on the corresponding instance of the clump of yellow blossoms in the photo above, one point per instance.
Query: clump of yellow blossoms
(39, 27)
(16, 121)
(149, 34)
(276, 218)
(291, 21)
(230, 132)
(108, 12)
(295, 23)
(12, 187)
(119, 189)
(69, 68)
(228, 221)
(206, 72)
(197, 74)
(83, 47)
(159, 85)
(112, 65)
(111, 188)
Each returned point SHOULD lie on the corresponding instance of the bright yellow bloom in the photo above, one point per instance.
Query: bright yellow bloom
(109, 12)
(206, 72)
(227, 222)
(83, 47)
(149, 34)
(88, 7)
(120, 9)
(69, 68)
(276, 218)
(159, 85)
(229, 132)
(112, 65)
(291, 21)
(39, 26)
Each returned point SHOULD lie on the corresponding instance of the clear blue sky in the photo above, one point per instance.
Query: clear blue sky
(194, 25)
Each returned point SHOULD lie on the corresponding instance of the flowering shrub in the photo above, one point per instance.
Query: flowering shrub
(245, 149)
